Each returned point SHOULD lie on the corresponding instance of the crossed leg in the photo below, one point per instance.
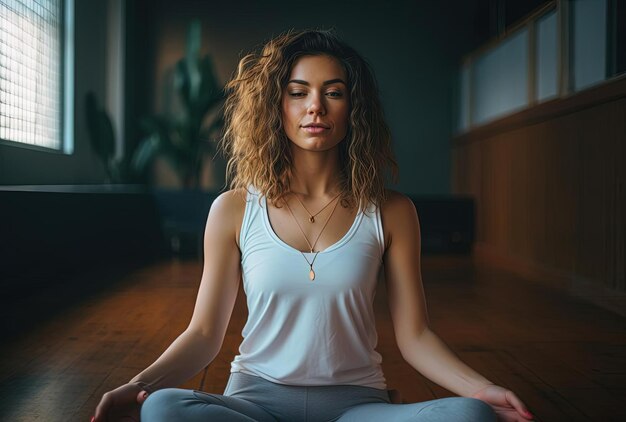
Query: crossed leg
(177, 404)
(458, 409)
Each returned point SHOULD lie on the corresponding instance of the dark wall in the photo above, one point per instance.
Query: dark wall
(414, 48)
(492, 17)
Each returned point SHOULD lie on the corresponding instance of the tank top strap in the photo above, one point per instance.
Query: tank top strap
(249, 214)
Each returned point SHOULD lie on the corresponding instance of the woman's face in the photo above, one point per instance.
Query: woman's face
(316, 103)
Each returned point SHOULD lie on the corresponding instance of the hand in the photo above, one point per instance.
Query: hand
(508, 407)
(121, 404)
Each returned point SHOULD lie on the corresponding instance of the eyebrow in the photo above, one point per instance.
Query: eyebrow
(329, 82)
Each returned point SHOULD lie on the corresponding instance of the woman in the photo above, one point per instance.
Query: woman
(309, 227)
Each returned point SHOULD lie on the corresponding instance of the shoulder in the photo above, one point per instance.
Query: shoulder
(230, 201)
(227, 211)
(396, 204)
(397, 213)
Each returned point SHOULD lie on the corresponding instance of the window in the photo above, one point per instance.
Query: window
(560, 49)
(36, 104)
(500, 79)
(547, 57)
(589, 32)
(617, 13)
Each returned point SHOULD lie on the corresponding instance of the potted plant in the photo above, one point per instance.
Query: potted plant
(185, 139)
(181, 137)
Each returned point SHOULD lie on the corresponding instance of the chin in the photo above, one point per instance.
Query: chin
(319, 145)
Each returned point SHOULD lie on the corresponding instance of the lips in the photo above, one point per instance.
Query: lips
(315, 128)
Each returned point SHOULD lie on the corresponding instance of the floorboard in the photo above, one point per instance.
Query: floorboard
(565, 358)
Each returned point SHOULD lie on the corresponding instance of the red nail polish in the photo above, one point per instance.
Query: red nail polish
(93, 418)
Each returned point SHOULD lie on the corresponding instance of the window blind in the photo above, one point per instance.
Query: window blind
(31, 66)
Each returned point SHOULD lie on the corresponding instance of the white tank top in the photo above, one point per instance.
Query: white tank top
(303, 332)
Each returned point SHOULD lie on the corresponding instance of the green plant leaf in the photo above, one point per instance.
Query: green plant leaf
(107, 136)
(145, 153)
(192, 60)
(100, 129)
(182, 140)
(182, 83)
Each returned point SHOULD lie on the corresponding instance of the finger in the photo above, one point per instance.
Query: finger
(518, 405)
(142, 396)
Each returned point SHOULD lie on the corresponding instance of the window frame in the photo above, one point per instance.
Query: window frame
(565, 69)
(67, 89)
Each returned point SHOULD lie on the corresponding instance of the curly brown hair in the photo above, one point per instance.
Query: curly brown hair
(255, 142)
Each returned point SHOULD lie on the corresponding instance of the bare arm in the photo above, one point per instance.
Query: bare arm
(419, 346)
(198, 345)
(202, 340)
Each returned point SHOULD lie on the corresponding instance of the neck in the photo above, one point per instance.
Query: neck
(316, 174)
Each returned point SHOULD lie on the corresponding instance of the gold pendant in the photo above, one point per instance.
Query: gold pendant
(312, 274)
(312, 219)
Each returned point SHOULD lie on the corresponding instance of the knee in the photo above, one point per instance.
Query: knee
(474, 410)
(461, 409)
(163, 405)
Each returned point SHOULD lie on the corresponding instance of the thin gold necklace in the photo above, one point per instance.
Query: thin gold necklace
(312, 217)
(311, 272)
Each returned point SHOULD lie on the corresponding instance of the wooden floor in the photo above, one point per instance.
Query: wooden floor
(565, 358)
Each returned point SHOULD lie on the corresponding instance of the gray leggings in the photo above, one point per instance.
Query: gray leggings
(251, 398)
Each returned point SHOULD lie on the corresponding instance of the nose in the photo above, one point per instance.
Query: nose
(316, 106)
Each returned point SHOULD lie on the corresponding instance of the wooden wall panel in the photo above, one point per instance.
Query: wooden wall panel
(562, 154)
(550, 198)
(536, 203)
(519, 241)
